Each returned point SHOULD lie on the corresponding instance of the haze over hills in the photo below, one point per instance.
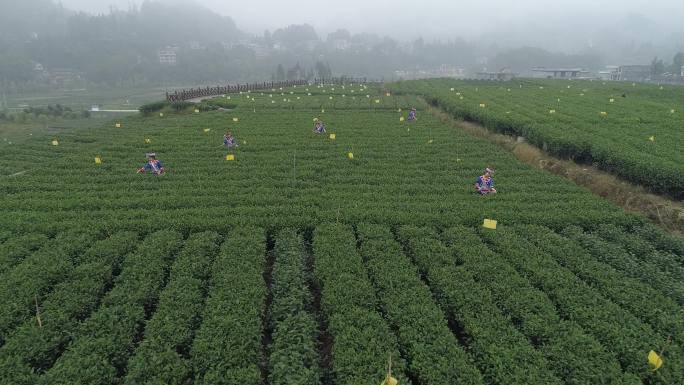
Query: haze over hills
(121, 45)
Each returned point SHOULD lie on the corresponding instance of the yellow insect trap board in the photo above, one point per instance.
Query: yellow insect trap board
(654, 360)
(333, 136)
(118, 125)
(98, 160)
(230, 157)
(55, 142)
(489, 224)
(350, 155)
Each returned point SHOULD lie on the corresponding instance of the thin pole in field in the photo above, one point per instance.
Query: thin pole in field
(40, 322)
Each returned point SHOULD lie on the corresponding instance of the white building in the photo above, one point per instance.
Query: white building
(610, 73)
(167, 56)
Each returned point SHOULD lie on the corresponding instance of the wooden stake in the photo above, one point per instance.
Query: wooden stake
(40, 322)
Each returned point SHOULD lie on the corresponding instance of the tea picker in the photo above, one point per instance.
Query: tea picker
(229, 140)
(152, 165)
(412, 115)
(485, 183)
(319, 127)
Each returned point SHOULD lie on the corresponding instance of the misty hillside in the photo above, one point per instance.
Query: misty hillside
(42, 43)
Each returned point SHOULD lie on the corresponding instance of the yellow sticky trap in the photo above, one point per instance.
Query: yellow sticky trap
(55, 142)
(460, 97)
(672, 111)
(196, 111)
(377, 100)
(508, 89)
(388, 94)
(662, 88)
(315, 119)
(458, 94)
(452, 89)
(604, 113)
(207, 130)
(652, 138)
(330, 97)
(98, 160)
(350, 155)
(489, 224)
(430, 141)
(611, 100)
(148, 141)
(654, 360)
(541, 88)
(552, 111)
(482, 105)
(399, 110)
(333, 136)
(389, 381)
(322, 111)
(118, 125)
(244, 142)
(401, 119)
(236, 119)
(230, 157)
(161, 114)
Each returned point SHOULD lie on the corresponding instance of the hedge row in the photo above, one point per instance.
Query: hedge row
(35, 277)
(101, 346)
(31, 349)
(654, 272)
(363, 341)
(227, 349)
(574, 356)
(502, 353)
(162, 357)
(14, 250)
(294, 358)
(618, 330)
(642, 300)
(431, 350)
(670, 261)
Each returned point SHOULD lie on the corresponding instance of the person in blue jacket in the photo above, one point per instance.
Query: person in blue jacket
(485, 183)
(412, 115)
(319, 127)
(229, 140)
(152, 165)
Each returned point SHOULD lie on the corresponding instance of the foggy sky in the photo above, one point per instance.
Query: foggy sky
(540, 22)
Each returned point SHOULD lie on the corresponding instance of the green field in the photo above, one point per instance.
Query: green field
(632, 130)
(294, 264)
